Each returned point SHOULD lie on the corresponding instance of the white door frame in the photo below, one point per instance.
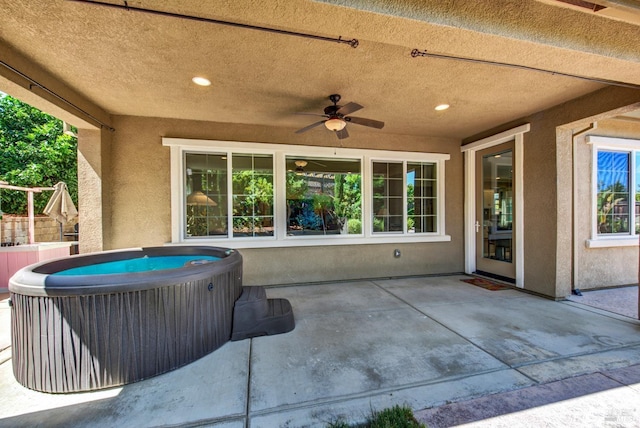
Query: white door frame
(470, 151)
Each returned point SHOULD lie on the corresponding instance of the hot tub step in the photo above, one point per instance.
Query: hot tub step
(251, 305)
(254, 315)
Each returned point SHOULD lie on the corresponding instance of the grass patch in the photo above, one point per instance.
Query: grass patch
(394, 417)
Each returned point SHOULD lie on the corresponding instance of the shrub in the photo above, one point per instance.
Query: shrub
(308, 219)
(394, 417)
(354, 226)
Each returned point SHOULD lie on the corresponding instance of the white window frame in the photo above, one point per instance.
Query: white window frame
(631, 146)
(440, 223)
(180, 146)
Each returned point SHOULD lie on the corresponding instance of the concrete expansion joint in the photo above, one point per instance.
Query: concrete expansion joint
(466, 339)
(614, 379)
(5, 355)
(247, 409)
(575, 355)
(365, 394)
(593, 399)
(602, 312)
(211, 422)
(533, 380)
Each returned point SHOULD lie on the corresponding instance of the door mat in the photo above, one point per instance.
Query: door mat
(486, 284)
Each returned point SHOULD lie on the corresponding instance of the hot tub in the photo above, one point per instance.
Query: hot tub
(74, 330)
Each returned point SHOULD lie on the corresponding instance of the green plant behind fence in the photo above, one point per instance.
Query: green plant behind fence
(35, 153)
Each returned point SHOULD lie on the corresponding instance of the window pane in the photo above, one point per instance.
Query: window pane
(421, 197)
(252, 195)
(605, 160)
(324, 196)
(613, 192)
(388, 192)
(205, 195)
(395, 170)
(497, 206)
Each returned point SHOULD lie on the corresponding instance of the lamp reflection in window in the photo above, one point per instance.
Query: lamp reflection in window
(200, 199)
(205, 200)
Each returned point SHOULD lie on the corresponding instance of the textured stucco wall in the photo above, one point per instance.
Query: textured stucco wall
(141, 213)
(317, 264)
(600, 267)
(540, 206)
(94, 206)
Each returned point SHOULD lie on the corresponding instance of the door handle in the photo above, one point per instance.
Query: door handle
(477, 226)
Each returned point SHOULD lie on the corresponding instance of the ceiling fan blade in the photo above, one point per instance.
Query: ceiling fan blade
(349, 108)
(365, 122)
(342, 134)
(306, 128)
(312, 114)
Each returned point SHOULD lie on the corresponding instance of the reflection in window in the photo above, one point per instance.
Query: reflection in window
(324, 196)
(613, 192)
(206, 194)
(388, 191)
(235, 193)
(252, 177)
(497, 206)
(421, 197)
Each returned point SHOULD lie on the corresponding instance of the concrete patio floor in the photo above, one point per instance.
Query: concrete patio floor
(436, 344)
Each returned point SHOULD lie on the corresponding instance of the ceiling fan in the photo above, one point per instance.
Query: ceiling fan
(337, 118)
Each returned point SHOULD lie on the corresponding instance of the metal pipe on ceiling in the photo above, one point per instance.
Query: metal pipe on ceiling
(418, 53)
(621, 4)
(353, 42)
(33, 83)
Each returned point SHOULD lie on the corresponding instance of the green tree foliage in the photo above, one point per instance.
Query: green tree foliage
(347, 195)
(256, 189)
(253, 199)
(35, 152)
(608, 199)
(411, 206)
(297, 186)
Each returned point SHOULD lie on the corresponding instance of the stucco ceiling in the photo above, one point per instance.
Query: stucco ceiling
(135, 63)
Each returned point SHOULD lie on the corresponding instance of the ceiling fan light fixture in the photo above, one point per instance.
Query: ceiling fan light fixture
(300, 164)
(338, 116)
(335, 124)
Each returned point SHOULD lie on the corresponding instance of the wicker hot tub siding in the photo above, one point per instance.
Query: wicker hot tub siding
(82, 337)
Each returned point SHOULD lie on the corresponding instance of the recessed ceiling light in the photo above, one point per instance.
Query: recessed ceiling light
(202, 81)
(442, 107)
